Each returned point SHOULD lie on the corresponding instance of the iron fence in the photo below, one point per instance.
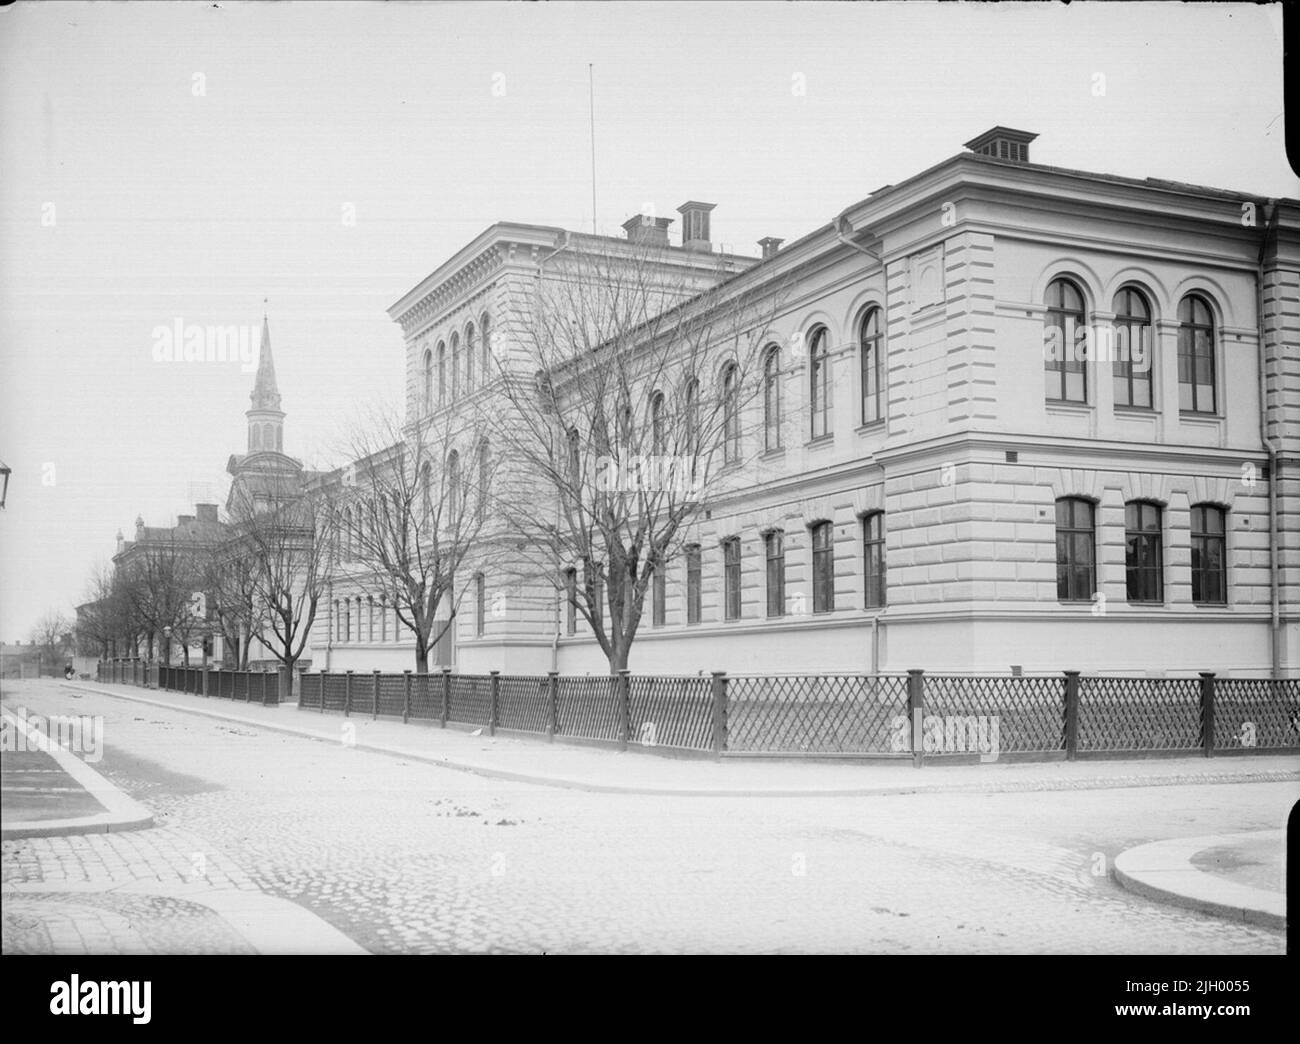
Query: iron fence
(919, 716)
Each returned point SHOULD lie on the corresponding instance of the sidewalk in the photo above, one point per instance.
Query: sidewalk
(533, 760)
(145, 892)
(1238, 876)
(50, 792)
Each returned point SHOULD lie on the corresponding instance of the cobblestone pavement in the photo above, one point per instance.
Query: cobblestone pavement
(407, 857)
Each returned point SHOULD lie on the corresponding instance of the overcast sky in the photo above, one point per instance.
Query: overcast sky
(184, 161)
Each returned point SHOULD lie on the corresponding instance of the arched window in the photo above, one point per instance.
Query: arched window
(772, 398)
(575, 455)
(347, 534)
(485, 327)
(1076, 549)
(279, 438)
(484, 477)
(1065, 373)
(731, 413)
(1196, 370)
(1209, 554)
(870, 341)
(257, 437)
(819, 382)
(1143, 552)
(426, 490)
(691, 417)
(1132, 356)
(455, 366)
(657, 434)
(426, 392)
(442, 374)
(469, 357)
(453, 489)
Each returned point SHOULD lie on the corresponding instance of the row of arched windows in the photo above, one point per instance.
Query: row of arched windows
(265, 436)
(1130, 352)
(457, 364)
(356, 521)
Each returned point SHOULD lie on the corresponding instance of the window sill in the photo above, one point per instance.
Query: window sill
(1197, 417)
(1069, 406)
(871, 426)
(1140, 411)
(819, 441)
(776, 453)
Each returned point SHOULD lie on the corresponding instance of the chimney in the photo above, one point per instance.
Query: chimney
(1003, 143)
(183, 520)
(642, 228)
(695, 225)
(207, 512)
(770, 245)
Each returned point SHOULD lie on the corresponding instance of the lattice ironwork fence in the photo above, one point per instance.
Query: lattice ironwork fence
(918, 716)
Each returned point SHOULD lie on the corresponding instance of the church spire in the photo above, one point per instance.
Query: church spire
(265, 396)
(265, 418)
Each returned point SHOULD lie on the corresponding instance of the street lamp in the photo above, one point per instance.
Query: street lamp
(167, 646)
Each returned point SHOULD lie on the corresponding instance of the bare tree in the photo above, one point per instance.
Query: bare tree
(412, 509)
(104, 620)
(51, 636)
(160, 579)
(287, 533)
(229, 577)
(627, 412)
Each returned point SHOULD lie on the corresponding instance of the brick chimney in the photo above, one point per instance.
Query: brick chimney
(1003, 143)
(770, 245)
(642, 228)
(184, 520)
(207, 512)
(695, 225)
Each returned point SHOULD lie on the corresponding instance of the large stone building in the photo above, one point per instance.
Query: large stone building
(960, 468)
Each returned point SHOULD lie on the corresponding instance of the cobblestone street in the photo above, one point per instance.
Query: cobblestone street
(405, 857)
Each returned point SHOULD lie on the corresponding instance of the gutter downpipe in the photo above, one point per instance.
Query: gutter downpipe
(555, 642)
(842, 231)
(1275, 613)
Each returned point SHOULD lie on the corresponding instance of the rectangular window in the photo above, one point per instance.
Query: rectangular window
(480, 604)
(823, 563)
(370, 618)
(571, 601)
(731, 576)
(774, 547)
(659, 593)
(598, 603)
(1209, 558)
(873, 557)
(1076, 543)
(693, 584)
(383, 619)
(1143, 552)
(1196, 369)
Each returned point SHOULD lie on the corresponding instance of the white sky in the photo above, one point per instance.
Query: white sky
(169, 204)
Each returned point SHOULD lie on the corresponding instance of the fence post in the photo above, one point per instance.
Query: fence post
(266, 676)
(495, 686)
(553, 698)
(446, 695)
(719, 689)
(916, 711)
(374, 699)
(1207, 712)
(621, 693)
(205, 668)
(1071, 714)
(324, 678)
(347, 693)
(406, 696)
